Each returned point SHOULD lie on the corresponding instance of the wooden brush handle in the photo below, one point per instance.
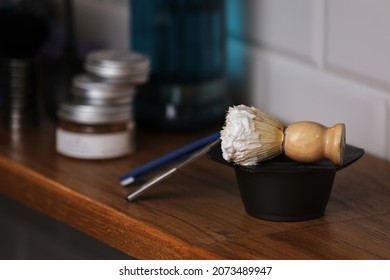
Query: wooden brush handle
(310, 141)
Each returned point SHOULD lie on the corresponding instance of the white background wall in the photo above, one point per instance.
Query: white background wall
(320, 60)
(100, 23)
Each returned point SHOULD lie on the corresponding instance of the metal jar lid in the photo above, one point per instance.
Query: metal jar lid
(118, 64)
(90, 114)
(88, 89)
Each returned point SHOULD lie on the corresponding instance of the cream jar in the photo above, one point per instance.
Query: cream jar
(92, 90)
(121, 67)
(95, 132)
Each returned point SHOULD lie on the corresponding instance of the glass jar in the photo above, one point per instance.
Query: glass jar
(185, 40)
(92, 90)
(94, 132)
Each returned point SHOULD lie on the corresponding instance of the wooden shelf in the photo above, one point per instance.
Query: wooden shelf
(196, 214)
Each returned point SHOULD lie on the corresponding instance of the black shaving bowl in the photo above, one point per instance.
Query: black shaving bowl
(285, 190)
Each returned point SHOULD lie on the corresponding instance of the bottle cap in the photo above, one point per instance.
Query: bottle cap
(90, 114)
(88, 89)
(123, 66)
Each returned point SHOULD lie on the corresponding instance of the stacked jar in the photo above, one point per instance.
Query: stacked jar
(97, 121)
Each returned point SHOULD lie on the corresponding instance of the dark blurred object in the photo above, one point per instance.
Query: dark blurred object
(185, 40)
(19, 90)
(23, 31)
(59, 71)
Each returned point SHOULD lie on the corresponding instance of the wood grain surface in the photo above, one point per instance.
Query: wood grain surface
(195, 214)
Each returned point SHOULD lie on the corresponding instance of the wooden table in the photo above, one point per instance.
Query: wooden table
(197, 213)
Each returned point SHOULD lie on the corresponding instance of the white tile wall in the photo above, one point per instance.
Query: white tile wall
(347, 79)
(286, 26)
(294, 91)
(358, 39)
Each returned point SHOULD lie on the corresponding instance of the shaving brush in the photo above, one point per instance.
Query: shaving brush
(250, 136)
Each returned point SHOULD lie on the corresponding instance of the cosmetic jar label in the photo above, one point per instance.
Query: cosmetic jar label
(93, 146)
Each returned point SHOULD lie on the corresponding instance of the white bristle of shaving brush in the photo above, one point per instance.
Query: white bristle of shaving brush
(250, 136)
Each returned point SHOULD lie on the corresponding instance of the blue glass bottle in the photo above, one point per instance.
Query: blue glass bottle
(185, 40)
